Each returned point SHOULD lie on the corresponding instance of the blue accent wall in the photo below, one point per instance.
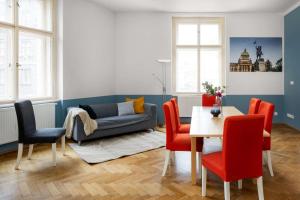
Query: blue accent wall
(292, 67)
(240, 101)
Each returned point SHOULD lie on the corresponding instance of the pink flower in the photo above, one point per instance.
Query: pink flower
(219, 94)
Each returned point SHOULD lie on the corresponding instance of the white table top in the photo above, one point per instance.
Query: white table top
(205, 125)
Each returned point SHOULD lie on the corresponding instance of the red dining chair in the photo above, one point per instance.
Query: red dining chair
(267, 109)
(208, 100)
(181, 128)
(241, 156)
(176, 141)
(253, 106)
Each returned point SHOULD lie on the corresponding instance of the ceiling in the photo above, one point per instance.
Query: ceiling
(200, 5)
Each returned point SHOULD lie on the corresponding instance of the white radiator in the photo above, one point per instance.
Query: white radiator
(44, 116)
(186, 104)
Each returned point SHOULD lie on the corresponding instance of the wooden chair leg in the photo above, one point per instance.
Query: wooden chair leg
(270, 163)
(30, 151)
(54, 153)
(227, 190)
(260, 188)
(167, 159)
(172, 157)
(63, 144)
(200, 163)
(204, 178)
(19, 157)
(240, 184)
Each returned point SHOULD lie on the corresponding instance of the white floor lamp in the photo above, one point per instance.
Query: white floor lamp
(163, 82)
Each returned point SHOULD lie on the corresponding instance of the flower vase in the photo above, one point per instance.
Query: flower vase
(219, 102)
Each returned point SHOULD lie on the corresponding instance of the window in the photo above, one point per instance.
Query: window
(26, 50)
(198, 53)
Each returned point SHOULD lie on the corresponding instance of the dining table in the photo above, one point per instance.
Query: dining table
(204, 125)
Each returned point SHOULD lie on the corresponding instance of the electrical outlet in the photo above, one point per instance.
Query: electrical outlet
(290, 116)
(276, 113)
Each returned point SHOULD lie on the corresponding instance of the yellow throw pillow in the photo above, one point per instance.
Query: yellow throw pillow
(138, 104)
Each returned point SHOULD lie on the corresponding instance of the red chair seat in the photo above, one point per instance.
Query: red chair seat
(182, 142)
(213, 162)
(184, 128)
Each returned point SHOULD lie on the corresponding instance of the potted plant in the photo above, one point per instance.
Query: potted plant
(213, 95)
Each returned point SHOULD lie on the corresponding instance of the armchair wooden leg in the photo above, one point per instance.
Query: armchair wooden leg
(54, 153)
(200, 163)
(204, 177)
(227, 190)
(172, 157)
(260, 188)
(19, 157)
(167, 159)
(240, 184)
(63, 144)
(30, 151)
(270, 163)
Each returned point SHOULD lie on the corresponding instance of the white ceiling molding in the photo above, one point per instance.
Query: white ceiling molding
(290, 9)
(196, 6)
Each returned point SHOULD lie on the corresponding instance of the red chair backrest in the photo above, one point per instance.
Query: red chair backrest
(267, 109)
(208, 100)
(170, 121)
(253, 106)
(176, 109)
(242, 147)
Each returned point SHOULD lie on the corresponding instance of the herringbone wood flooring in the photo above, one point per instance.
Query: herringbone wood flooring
(139, 176)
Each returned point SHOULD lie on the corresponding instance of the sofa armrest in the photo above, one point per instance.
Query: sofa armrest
(78, 129)
(151, 110)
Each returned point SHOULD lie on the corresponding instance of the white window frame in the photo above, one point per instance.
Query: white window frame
(16, 29)
(197, 20)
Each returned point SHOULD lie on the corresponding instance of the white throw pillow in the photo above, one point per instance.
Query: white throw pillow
(211, 145)
(126, 108)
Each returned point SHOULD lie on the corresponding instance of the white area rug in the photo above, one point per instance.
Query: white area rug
(119, 146)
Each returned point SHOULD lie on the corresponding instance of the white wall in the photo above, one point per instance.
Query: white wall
(141, 38)
(88, 50)
(254, 25)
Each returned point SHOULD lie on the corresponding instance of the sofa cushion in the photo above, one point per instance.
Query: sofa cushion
(138, 104)
(89, 110)
(119, 121)
(126, 108)
(105, 110)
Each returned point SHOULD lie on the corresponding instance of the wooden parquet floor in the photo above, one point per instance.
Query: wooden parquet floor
(139, 176)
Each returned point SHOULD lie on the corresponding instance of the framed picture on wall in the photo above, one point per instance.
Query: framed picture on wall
(256, 54)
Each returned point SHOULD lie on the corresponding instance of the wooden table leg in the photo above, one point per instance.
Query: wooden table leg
(193, 160)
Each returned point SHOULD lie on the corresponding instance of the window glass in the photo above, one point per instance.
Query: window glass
(186, 71)
(6, 11)
(187, 34)
(35, 14)
(210, 34)
(5, 64)
(34, 66)
(210, 66)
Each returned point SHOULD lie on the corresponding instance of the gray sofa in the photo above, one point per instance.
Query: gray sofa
(110, 124)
